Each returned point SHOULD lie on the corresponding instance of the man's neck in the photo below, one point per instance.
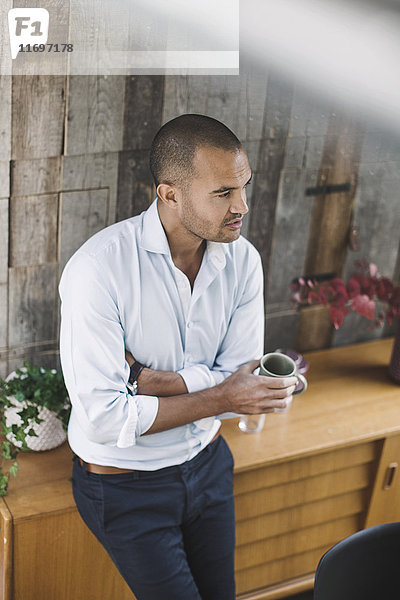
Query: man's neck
(185, 247)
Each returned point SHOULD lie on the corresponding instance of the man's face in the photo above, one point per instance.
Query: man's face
(215, 202)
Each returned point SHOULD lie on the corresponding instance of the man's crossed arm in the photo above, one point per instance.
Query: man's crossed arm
(241, 392)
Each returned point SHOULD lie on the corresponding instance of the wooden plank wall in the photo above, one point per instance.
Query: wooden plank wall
(74, 159)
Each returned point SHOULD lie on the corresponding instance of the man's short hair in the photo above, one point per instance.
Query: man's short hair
(174, 146)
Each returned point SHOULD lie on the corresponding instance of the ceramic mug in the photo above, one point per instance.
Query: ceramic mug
(273, 364)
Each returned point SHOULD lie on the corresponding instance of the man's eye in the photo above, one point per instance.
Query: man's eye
(225, 195)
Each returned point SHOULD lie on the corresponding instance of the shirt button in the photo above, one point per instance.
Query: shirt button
(190, 324)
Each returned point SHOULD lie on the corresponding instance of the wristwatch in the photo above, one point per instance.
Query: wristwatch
(136, 369)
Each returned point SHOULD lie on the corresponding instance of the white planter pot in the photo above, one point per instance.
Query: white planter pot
(50, 432)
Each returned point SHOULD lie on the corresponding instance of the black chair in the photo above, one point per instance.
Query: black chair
(364, 566)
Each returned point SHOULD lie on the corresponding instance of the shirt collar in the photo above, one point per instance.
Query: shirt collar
(216, 253)
(153, 234)
(155, 240)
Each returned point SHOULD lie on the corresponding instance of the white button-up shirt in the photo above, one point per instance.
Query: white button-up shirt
(121, 290)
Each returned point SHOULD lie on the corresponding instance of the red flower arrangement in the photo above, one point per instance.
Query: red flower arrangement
(358, 295)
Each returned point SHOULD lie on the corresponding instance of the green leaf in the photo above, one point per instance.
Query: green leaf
(6, 450)
(13, 469)
(6, 429)
(20, 435)
(3, 484)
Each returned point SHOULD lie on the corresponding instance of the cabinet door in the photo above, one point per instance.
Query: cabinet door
(385, 500)
(6, 540)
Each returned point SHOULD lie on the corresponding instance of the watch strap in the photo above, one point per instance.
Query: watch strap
(136, 369)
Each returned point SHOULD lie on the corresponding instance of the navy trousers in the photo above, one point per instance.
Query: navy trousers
(170, 532)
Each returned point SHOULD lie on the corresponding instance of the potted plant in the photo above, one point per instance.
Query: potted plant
(34, 413)
(364, 291)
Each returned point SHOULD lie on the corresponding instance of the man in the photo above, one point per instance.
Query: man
(170, 304)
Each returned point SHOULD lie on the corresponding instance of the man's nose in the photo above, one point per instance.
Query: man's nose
(239, 205)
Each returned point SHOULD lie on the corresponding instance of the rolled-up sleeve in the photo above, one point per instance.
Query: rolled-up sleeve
(197, 377)
(92, 353)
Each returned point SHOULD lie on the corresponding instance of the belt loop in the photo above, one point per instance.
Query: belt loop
(83, 466)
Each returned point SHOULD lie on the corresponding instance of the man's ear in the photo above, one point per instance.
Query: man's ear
(168, 194)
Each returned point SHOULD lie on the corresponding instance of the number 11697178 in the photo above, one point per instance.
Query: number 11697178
(46, 48)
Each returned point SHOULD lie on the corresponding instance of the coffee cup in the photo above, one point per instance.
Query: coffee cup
(276, 364)
(273, 364)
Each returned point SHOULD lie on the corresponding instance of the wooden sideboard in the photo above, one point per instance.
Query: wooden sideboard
(313, 476)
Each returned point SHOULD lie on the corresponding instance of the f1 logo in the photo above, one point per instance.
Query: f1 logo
(27, 25)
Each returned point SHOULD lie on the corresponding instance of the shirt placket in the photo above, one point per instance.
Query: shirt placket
(186, 297)
(185, 294)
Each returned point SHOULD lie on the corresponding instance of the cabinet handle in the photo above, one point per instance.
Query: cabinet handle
(390, 473)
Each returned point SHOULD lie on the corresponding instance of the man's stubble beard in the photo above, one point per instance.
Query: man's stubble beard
(195, 226)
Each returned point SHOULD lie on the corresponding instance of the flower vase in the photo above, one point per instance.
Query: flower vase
(49, 433)
(394, 367)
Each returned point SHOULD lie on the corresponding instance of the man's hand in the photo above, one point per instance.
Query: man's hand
(246, 393)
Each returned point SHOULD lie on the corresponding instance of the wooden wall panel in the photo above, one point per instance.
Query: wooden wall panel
(396, 273)
(377, 214)
(38, 215)
(269, 164)
(3, 272)
(4, 240)
(293, 140)
(45, 354)
(332, 213)
(3, 315)
(32, 304)
(184, 94)
(135, 184)
(5, 112)
(280, 329)
(289, 244)
(331, 216)
(93, 171)
(95, 114)
(299, 170)
(38, 105)
(141, 122)
(5, 55)
(310, 114)
(237, 101)
(253, 93)
(5, 154)
(82, 215)
(31, 177)
(4, 179)
(144, 96)
(223, 99)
